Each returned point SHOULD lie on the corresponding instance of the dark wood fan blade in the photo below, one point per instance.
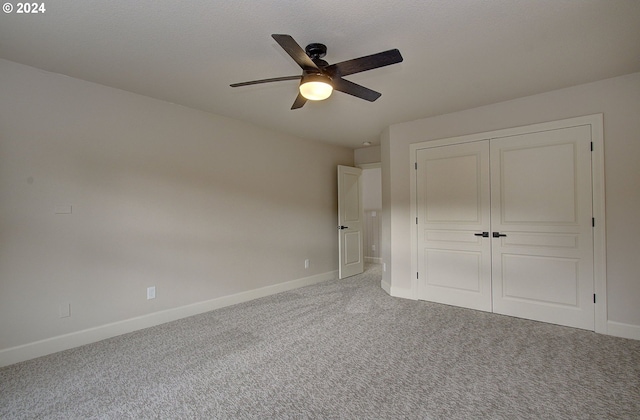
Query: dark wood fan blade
(299, 102)
(273, 79)
(365, 63)
(295, 51)
(355, 89)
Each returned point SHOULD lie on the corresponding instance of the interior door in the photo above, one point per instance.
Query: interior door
(350, 216)
(453, 220)
(542, 216)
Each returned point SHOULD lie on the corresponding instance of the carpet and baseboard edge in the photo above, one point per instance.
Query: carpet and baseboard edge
(51, 345)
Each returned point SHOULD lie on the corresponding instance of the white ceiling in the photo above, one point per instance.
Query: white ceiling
(458, 54)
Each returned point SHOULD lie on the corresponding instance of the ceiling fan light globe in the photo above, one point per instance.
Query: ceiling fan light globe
(316, 87)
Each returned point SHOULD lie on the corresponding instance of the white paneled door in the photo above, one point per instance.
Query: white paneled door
(505, 225)
(541, 213)
(350, 226)
(454, 264)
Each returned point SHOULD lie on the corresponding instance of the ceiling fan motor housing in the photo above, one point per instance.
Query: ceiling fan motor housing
(316, 50)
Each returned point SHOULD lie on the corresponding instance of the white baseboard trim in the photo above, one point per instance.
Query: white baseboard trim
(402, 293)
(91, 335)
(620, 329)
(386, 287)
(396, 291)
(375, 260)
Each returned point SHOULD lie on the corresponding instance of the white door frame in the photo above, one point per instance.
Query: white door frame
(598, 199)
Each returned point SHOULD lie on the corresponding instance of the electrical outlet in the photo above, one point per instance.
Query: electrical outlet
(384, 266)
(151, 292)
(306, 263)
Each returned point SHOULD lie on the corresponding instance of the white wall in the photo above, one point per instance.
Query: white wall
(372, 188)
(365, 155)
(387, 226)
(371, 200)
(372, 204)
(198, 205)
(618, 99)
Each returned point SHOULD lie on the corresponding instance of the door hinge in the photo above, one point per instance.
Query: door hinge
(416, 220)
(594, 298)
(593, 222)
(415, 165)
(417, 275)
(592, 146)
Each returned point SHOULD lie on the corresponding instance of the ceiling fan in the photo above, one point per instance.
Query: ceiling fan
(319, 79)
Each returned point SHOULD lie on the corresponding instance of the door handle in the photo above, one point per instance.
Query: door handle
(343, 227)
(483, 234)
(498, 234)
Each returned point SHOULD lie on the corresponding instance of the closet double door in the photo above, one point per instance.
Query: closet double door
(505, 225)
